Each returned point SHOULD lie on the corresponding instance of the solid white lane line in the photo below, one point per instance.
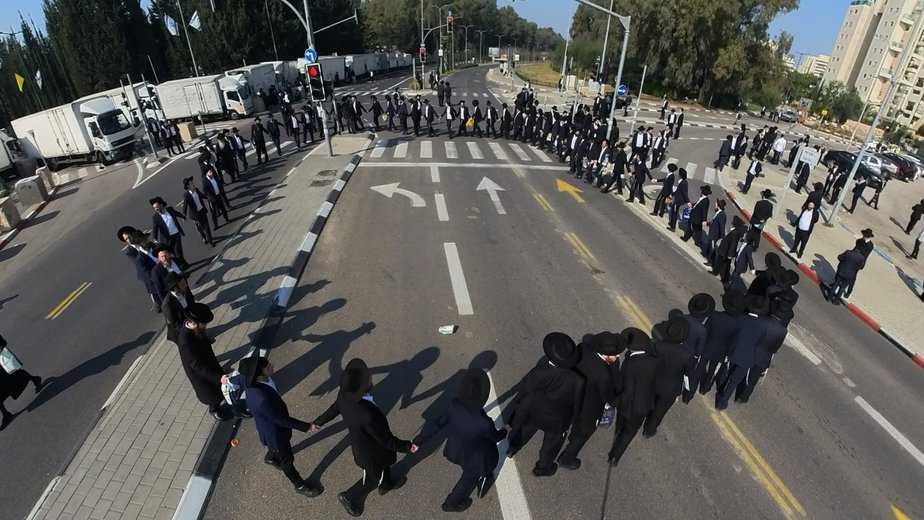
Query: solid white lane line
(426, 149)
(451, 151)
(457, 278)
(128, 374)
(800, 347)
(521, 153)
(498, 151)
(441, 213)
(510, 492)
(401, 150)
(547, 167)
(891, 430)
(434, 173)
(474, 150)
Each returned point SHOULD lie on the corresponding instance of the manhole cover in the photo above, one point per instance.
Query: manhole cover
(321, 182)
(327, 173)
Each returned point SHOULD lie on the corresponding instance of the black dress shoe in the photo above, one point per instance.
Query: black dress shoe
(545, 472)
(309, 490)
(486, 483)
(649, 434)
(570, 463)
(394, 484)
(351, 509)
(457, 508)
(270, 461)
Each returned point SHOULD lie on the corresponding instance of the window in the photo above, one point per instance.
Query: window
(233, 96)
(94, 129)
(112, 122)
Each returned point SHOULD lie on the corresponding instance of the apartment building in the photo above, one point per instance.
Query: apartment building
(814, 64)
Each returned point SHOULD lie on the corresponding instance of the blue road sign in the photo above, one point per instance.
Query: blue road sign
(311, 55)
(621, 91)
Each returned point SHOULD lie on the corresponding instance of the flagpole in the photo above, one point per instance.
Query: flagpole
(195, 67)
(270, 23)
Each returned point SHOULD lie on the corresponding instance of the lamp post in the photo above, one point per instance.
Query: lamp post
(466, 38)
(480, 44)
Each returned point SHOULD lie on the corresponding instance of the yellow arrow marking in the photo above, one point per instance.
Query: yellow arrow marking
(570, 189)
(899, 515)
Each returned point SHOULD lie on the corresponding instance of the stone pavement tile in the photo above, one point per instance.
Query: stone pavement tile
(884, 290)
(137, 459)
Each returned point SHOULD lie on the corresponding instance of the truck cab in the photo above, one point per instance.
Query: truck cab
(237, 97)
(111, 132)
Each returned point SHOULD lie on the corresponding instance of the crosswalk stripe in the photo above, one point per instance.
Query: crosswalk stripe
(670, 160)
(498, 151)
(691, 170)
(401, 150)
(451, 151)
(519, 151)
(426, 149)
(709, 176)
(379, 149)
(542, 156)
(474, 150)
(464, 94)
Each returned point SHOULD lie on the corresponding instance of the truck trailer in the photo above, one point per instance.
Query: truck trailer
(203, 97)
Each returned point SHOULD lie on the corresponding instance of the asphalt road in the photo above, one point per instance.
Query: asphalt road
(832, 432)
(85, 348)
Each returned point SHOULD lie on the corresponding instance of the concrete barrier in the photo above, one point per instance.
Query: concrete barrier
(9, 215)
(188, 131)
(31, 191)
(47, 176)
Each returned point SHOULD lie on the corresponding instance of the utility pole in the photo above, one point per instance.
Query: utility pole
(564, 63)
(638, 100)
(421, 44)
(270, 23)
(480, 45)
(903, 60)
(310, 38)
(606, 38)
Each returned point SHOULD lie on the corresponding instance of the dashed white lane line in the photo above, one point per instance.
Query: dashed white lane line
(434, 174)
(379, 149)
(510, 492)
(891, 430)
(441, 213)
(457, 278)
(800, 347)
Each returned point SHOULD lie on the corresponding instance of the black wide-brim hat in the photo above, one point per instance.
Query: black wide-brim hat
(677, 330)
(200, 313)
(635, 339)
(607, 344)
(123, 230)
(701, 304)
(560, 349)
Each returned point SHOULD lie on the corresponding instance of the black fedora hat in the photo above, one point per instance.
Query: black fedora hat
(607, 344)
(199, 313)
(635, 339)
(677, 330)
(701, 304)
(560, 349)
(130, 230)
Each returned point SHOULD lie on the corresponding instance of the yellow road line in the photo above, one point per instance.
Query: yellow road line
(645, 321)
(542, 202)
(763, 463)
(583, 247)
(570, 238)
(61, 307)
(752, 464)
(899, 515)
(640, 321)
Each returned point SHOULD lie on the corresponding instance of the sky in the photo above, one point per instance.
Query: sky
(814, 24)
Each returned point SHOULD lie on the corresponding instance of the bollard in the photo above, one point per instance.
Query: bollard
(31, 191)
(47, 176)
(9, 215)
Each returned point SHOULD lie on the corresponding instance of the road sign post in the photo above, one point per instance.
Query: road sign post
(807, 154)
(317, 94)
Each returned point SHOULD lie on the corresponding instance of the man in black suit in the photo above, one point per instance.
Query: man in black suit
(619, 161)
(776, 325)
(165, 265)
(805, 224)
(177, 299)
(506, 121)
(698, 216)
(857, 192)
(725, 153)
(753, 171)
(850, 263)
(471, 442)
(715, 233)
(700, 307)
(728, 249)
(675, 367)
(744, 262)
(258, 139)
(815, 197)
(227, 157)
(273, 422)
(142, 257)
(634, 390)
(681, 198)
(199, 361)
(428, 115)
(678, 125)
(720, 331)
(916, 212)
(667, 187)
(640, 173)
(763, 211)
(598, 366)
(166, 228)
(743, 353)
(215, 195)
(491, 120)
(374, 446)
(549, 399)
(194, 207)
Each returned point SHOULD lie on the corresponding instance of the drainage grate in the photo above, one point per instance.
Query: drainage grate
(327, 173)
(321, 182)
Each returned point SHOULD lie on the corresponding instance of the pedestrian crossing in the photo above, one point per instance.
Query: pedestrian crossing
(380, 93)
(710, 174)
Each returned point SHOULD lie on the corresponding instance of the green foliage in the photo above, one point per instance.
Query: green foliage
(841, 103)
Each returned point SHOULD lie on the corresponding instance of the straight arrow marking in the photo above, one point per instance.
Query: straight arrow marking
(492, 188)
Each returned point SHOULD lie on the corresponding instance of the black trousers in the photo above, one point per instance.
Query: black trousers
(467, 483)
(178, 141)
(617, 179)
(637, 190)
(626, 428)
(663, 404)
(840, 285)
(911, 223)
(285, 460)
(747, 183)
(552, 442)
(217, 208)
(489, 128)
(707, 374)
(798, 245)
(202, 224)
(916, 250)
(175, 243)
(674, 213)
(576, 442)
(736, 376)
(659, 205)
(242, 155)
(371, 479)
(750, 383)
(699, 373)
(260, 146)
(853, 202)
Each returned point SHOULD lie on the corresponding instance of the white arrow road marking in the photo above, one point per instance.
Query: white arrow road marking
(492, 188)
(390, 189)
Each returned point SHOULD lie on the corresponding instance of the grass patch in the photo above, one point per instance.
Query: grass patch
(539, 74)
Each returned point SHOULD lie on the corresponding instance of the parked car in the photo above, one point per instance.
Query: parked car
(870, 167)
(907, 169)
(888, 164)
(789, 116)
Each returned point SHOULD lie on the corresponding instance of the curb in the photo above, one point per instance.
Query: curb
(11, 234)
(812, 275)
(199, 489)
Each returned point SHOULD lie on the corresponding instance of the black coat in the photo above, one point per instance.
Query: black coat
(751, 332)
(159, 231)
(696, 337)
(675, 360)
(271, 417)
(763, 210)
(549, 398)
(201, 365)
(189, 205)
(471, 441)
(717, 227)
(699, 213)
(373, 444)
(175, 314)
(773, 341)
(599, 388)
(681, 196)
(159, 280)
(744, 261)
(667, 184)
(849, 264)
(635, 385)
(143, 265)
(720, 331)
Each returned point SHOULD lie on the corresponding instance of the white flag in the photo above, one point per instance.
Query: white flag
(38, 78)
(194, 22)
(171, 25)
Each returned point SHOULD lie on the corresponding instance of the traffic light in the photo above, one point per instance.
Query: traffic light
(449, 22)
(316, 81)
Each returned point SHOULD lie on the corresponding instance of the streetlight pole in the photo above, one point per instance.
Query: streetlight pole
(422, 74)
(466, 38)
(272, 33)
(626, 22)
(564, 63)
(606, 37)
(480, 45)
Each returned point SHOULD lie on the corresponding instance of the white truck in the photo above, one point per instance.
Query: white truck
(286, 72)
(204, 96)
(146, 94)
(333, 68)
(91, 129)
(260, 76)
(13, 162)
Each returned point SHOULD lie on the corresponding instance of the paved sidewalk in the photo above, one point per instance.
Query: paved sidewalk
(886, 293)
(138, 459)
